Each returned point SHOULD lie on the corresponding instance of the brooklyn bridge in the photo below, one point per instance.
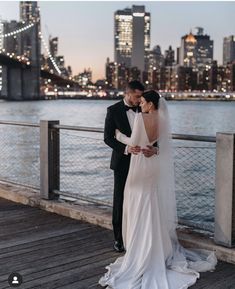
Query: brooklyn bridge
(22, 73)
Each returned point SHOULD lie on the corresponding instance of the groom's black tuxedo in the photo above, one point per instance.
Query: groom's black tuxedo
(116, 118)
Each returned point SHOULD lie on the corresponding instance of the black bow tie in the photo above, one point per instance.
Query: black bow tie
(134, 108)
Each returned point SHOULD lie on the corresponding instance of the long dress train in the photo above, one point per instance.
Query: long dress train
(153, 259)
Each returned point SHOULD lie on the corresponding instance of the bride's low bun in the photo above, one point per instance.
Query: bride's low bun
(153, 96)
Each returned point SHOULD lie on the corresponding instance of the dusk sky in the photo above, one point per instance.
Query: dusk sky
(86, 28)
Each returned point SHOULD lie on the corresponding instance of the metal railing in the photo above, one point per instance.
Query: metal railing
(80, 166)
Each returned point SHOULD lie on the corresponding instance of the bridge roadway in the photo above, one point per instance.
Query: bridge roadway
(55, 252)
(55, 78)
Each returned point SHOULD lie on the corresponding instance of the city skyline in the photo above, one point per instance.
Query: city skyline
(82, 19)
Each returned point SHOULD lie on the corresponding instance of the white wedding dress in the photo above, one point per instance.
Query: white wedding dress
(154, 259)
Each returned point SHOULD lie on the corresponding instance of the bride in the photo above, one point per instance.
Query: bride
(154, 258)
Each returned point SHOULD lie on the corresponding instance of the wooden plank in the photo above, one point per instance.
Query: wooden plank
(34, 235)
(57, 255)
(45, 243)
(64, 277)
(56, 252)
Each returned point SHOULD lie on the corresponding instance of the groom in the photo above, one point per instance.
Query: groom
(121, 116)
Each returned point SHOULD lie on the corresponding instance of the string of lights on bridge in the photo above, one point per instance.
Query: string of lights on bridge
(17, 31)
(49, 53)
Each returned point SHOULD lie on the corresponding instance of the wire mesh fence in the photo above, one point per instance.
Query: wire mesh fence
(20, 154)
(195, 183)
(85, 172)
(84, 167)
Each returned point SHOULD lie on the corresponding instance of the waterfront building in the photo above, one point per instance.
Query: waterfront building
(228, 49)
(122, 76)
(186, 79)
(53, 44)
(196, 50)
(117, 75)
(230, 76)
(155, 62)
(169, 57)
(84, 78)
(132, 37)
(135, 74)
(111, 73)
(187, 55)
(204, 49)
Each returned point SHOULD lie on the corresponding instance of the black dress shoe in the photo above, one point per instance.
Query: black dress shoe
(118, 247)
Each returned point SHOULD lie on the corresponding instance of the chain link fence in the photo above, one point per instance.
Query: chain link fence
(20, 162)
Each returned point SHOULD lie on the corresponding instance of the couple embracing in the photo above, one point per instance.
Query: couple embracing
(144, 204)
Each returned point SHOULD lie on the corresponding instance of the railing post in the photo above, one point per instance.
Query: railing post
(225, 190)
(49, 160)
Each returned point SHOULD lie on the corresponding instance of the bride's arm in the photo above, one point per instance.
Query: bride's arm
(122, 138)
(133, 140)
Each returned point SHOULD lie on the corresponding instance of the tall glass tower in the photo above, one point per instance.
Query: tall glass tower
(132, 37)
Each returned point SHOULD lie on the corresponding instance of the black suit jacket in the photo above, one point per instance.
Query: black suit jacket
(116, 118)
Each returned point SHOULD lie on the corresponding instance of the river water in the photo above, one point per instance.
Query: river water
(189, 117)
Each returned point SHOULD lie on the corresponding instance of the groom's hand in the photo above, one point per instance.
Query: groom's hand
(134, 150)
(150, 151)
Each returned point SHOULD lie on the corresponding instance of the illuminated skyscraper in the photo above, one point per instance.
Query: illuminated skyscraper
(196, 50)
(204, 48)
(188, 50)
(228, 49)
(132, 37)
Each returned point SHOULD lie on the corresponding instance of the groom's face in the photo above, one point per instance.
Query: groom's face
(133, 96)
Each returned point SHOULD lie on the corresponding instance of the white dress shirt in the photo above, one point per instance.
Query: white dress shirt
(131, 116)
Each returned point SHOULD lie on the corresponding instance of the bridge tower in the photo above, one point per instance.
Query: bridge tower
(30, 46)
(20, 83)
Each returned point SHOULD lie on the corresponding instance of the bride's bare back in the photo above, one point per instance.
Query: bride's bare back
(151, 125)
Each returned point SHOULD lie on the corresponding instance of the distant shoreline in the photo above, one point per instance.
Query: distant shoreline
(167, 98)
(119, 98)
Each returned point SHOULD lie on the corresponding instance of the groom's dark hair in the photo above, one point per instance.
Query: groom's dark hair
(135, 84)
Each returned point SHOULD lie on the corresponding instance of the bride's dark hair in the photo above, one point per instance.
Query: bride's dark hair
(153, 96)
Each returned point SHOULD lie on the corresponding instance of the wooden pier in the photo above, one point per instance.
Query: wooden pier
(55, 252)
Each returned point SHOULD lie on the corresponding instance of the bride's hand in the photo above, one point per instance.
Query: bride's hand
(150, 151)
